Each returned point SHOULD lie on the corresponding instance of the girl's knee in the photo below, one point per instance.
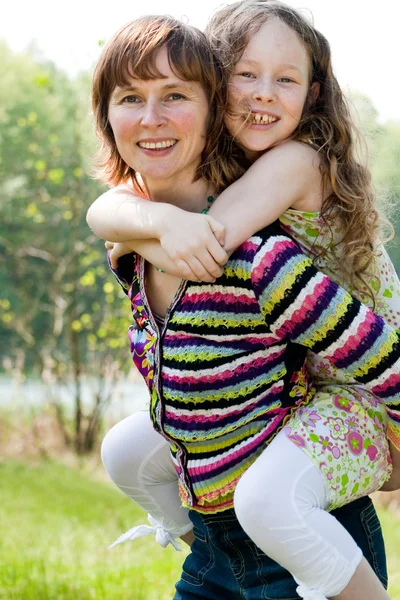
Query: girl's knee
(251, 502)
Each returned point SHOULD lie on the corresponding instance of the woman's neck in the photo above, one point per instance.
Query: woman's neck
(188, 195)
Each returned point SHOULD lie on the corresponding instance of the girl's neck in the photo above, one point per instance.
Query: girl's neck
(188, 195)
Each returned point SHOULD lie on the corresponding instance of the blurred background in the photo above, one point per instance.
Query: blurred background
(65, 372)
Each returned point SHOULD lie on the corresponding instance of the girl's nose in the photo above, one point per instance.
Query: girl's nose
(264, 91)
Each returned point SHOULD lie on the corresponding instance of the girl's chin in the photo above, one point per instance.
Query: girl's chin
(252, 151)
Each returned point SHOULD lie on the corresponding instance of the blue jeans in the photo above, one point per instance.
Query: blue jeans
(224, 564)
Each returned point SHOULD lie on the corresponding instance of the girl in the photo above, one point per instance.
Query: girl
(274, 112)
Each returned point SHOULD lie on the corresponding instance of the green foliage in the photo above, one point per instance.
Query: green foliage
(54, 542)
(58, 317)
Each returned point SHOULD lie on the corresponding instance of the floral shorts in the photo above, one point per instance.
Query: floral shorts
(345, 435)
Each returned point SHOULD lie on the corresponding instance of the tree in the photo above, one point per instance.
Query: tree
(57, 310)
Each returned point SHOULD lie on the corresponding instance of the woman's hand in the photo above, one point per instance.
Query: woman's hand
(194, 242)
(116, 250)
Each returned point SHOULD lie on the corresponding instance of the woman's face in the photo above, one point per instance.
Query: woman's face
(160, 125)
(271, 81)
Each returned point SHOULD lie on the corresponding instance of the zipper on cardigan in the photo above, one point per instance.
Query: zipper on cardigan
(159, 409)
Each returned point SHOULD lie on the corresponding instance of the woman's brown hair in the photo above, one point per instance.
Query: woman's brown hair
(132, 52)
(349, 198)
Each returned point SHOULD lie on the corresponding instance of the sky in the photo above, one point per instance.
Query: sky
(364, 35)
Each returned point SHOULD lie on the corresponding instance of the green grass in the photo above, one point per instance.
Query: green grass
(391, 531)
(55, 525)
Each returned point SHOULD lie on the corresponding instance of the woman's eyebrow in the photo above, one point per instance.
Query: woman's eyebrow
(178, 83)
(168, 86)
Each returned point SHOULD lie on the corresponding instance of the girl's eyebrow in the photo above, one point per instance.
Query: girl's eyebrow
(250, 61)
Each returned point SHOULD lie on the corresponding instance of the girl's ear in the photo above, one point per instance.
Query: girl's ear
(314, 92)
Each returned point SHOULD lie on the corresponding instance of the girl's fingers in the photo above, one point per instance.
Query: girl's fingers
(185, 271)
(217, 228)
(218, 254)
(209, 265)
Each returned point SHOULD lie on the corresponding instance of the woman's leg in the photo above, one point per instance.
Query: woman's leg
(138, 461)
(225, 563)
(280, 502)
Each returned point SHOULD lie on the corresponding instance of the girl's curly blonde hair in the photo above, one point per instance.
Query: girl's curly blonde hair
(349, 197)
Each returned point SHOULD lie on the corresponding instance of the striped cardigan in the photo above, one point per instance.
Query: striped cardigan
(227, 368)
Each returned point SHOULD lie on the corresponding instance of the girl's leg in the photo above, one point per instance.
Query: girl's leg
(280, 502)
(138, 461)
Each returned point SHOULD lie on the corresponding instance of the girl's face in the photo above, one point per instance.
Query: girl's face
(160, 125)
(271, 82)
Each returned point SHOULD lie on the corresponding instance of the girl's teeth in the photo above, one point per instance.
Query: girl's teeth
(157, 145)
(263, 118)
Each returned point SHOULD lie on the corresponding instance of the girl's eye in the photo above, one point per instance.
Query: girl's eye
(246, 74)
(130, 99)
(285, 80)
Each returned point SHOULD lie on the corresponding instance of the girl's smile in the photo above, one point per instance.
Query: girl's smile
(269, 88)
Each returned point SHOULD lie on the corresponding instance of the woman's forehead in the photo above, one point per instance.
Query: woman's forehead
(158, 68)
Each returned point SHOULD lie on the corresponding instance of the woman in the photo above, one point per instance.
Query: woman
(155, 121)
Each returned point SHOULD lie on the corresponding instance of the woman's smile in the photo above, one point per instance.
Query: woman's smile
(160, 125)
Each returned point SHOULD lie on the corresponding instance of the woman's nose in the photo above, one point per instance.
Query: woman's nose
(153, 115)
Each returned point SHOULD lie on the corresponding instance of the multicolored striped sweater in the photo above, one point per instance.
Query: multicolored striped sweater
(227, 368)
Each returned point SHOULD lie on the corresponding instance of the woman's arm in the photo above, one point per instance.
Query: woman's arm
(304, 306)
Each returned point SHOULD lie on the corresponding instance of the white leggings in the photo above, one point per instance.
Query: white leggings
(279, 502)
(138, 461)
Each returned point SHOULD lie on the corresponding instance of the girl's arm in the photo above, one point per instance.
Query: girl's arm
(304, 306)
(152, 251)
(286, 176)
(121, 216)
(387, 300)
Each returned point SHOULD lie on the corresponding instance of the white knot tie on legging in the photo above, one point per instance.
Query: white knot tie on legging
(163, 536)
(308, 594)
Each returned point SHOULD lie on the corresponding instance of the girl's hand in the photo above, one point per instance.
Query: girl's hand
(116, 250)
(195, 244)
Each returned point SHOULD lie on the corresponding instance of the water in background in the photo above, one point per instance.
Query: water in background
(128, 396)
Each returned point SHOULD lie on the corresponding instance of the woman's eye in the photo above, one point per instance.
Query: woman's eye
(130, 99)
(176, 96)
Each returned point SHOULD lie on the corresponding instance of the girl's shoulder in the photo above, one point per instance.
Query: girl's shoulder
(302, 163)
(303, 150)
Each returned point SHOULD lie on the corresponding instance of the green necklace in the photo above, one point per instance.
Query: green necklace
(210, 200)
